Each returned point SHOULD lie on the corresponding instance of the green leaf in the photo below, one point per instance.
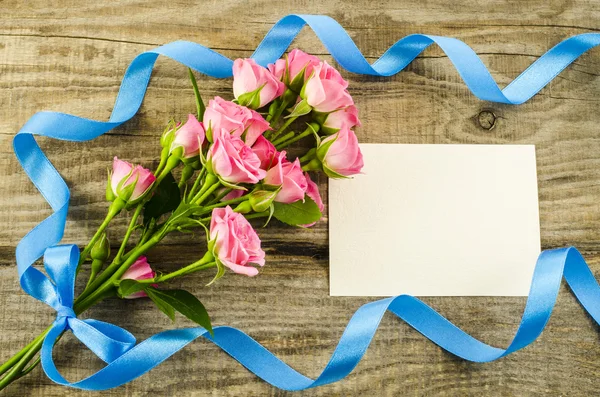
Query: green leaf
(261, 200)
(163, 306)
(251, 99)
(298, 82)
(298, 213)
(200, 108)
(185, 303)
(125, 192)
(231, 185)
(220, 270)
(271, 212)
(110, 196)
(166, 199)
(323, 148)
(332, 174)
(128, 287)
(314, 128)
(300, 109)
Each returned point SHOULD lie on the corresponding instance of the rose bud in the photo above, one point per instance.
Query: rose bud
(232, 160)
(288, 176)
(265, 151)
(334, 121)
(169, 134)
(189, 138)
(101, 249)
(261, 200)
(129, 183)
(312, 191)
(236, 119)
(340, 154)
(140, 270)
(253, 85)
(99, 254)
(292, 70)
(235, 242)
(325, 90)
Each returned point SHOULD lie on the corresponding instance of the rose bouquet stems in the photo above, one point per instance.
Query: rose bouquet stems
(231, 167)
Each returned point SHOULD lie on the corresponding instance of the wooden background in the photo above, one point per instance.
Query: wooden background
(70, 56)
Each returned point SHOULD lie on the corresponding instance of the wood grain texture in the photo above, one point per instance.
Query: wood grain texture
(70, 56)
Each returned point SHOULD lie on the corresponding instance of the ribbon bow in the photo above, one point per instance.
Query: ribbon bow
(107, 341)
(114, 345)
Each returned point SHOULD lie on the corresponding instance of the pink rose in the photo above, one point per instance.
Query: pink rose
(236, 243)
(340, 153)
(328, 72)
(255, 126)
(249, 77)
(312, 191)
(325, 90)
(344, 117)
(289, 176)
(124, 175)
(265, 151)
(234, 161)
(140, 270)
(296, 62)
(189, 137)
(235, 118)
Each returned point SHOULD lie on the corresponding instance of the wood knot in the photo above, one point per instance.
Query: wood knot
(486, 119)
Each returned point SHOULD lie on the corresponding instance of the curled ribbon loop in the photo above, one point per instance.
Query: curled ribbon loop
(107, 341)
(115, 345)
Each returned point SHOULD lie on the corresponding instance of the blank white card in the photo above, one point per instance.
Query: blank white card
(436, 220)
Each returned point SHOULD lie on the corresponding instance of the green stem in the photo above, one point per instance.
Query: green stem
(206, 262)
(130, 229)
(96, 265)
(222, 204)
(257, 215)
(28, 369)
(115, 207)
(308, 156)
(220, 196)
(283, 138)
(306, 133)
(207, 193)
(278, 112)
(182, 181)
(199, 104)
(197, 182)
(163, 160)
(171, 163)
(15, 371)
(119, 255)
(18, 367)
(14, 359)
(115, 265)
(313, 165)
(209, 181)
(107, 280)
(282, 129)
(147, 233)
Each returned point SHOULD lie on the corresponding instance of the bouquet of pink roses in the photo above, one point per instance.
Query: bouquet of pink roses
(233, 167)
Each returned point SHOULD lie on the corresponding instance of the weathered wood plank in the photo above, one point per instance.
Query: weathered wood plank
(70, 57)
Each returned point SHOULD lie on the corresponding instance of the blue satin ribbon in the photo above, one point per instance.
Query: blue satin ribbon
(127, 361)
